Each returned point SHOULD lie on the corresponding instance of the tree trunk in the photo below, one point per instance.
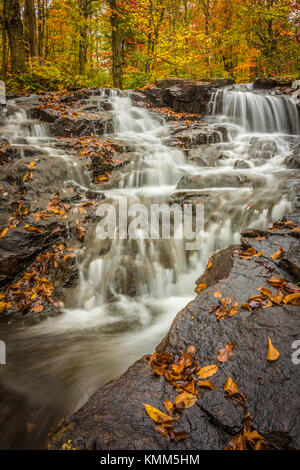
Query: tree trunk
(41, 27)
(116, 45)
(14, 27)
(83, 5)
(3, 40)
(31, 22)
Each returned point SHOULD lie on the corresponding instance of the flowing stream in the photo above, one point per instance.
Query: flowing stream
(131, 289)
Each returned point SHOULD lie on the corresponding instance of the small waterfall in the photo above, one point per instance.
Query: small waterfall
(256, 112)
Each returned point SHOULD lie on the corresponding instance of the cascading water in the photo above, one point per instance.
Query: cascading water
(130, 290)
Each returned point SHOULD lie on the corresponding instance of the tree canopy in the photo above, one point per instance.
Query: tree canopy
(128, 43)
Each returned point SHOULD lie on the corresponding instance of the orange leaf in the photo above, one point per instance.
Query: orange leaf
(209, 264)
(273, 354)
(157, 415)
(278, 254)
(230, 386)
(206, 384)
(207, 371)
(200, 287)
(225, 353)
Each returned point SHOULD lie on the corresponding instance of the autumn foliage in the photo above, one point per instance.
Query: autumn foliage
(128, 43)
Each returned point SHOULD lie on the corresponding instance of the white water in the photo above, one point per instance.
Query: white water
(130, 290)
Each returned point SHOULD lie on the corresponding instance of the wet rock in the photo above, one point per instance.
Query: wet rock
(241, 164)
(19, 247)
(266, 83)
(184, 96)
(114, 417)
(66, 126)
(211, 181)
(293, 160)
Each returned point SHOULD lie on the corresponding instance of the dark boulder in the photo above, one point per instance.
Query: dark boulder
(266, 83)
(185, 96)
(19, 247)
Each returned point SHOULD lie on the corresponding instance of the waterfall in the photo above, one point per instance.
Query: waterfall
(256, 112)
(130, 289)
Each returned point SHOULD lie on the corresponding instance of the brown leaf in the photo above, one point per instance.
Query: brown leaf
(225, 353)
(29, 228)
(205, 384)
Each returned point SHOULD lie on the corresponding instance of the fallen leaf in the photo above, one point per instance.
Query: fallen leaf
(186, 399)
(201, 287)
(205, 384)
(217, 294)
(273, 354)
(233, 310)
(231, 387)
(30, 427)
(225, 353)
(265, 291)
(288, 298)
(207, 371)
(2, 306)
(169, 407)
(3, 232)
(209, 264)
(157, 415)
(29, 228)
(278, 254)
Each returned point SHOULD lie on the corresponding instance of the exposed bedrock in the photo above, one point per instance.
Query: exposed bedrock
(115, 418)
(185, 96)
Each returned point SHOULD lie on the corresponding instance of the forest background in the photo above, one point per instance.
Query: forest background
(59, 44)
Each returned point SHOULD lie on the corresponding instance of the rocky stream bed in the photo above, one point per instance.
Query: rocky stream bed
(76, 311)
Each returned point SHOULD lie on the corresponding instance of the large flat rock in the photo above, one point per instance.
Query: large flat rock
(115, 418)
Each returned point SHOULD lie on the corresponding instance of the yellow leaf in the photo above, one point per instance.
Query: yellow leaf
(200, 287)
(230, 386)
(2, 306)
(207, 371)
(278, 254)
(206, 384)
(31, 164)
(290, 297)
(157, 415)
(209, 264)
(186, 398)
(265, 291)
(3, 232)
(273, 354)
